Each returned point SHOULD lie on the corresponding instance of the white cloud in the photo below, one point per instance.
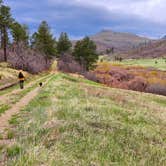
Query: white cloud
(80, 17)
(153, 10)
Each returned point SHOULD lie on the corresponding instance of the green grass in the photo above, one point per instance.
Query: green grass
(30, 79)
(161, 63)
(13, 151)
(3, 108)
(14, 120)
(10, 134)
(75, 122)
(161, 101)
(14, 98)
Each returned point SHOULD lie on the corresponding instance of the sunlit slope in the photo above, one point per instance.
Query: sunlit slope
(8, 75)
(78, 122)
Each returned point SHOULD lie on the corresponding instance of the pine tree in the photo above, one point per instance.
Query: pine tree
(85, 53)
(20, 33)
(5, 23)
(43, 41)
(64, 43)
(33, 40)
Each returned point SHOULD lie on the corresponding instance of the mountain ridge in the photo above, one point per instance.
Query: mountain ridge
(120, 41)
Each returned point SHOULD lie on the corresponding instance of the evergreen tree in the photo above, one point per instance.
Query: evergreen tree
(85, 53)
(5, 23)
(33, 40)
(43, 41)
(64, 43)
(20, 33)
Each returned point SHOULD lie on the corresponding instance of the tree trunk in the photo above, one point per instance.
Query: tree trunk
(46, 59)
(1, 37)
(5, 43)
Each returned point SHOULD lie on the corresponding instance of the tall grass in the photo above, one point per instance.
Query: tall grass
(80, 123)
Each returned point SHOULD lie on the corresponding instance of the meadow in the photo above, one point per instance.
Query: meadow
(74, 121)
(157, 63)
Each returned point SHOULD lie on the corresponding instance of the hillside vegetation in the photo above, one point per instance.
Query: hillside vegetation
(152, 50)
(140, 75)
(8, 75)
(156, 63)
(74, 121)
(121, 42)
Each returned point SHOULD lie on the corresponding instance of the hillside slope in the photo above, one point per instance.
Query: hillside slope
(151, 50)
(122, 42)
(74, 121)
(8, 75)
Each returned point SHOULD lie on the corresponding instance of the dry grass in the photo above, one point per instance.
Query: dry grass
(7, 74)
(78, 122)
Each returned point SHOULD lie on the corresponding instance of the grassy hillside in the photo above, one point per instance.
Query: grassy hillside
(152, 50)
(8, 75)
(78, 122)
(122, 42)
(157, 63)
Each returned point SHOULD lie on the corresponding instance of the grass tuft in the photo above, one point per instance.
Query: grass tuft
(13, 151)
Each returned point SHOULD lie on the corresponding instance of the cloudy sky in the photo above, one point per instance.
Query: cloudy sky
(85, 17)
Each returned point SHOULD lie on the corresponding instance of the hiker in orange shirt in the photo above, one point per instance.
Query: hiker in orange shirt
(21, 80)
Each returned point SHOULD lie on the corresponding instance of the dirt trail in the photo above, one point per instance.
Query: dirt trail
(5, 96)
(4, 118)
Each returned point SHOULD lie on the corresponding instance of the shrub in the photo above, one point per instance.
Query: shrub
(157, 89)
(138, 84)
(27, 59)
(91, 76)
(154, 73)
(121, 75)
(66, 63)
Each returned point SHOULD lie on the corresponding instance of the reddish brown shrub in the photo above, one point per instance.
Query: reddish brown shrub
(91, 76)
(134, 78)
(138, 84)
(26, 59)
(121, 75)
(67, 63)
(157, 89)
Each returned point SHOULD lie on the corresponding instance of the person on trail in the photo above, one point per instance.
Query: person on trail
(21, 80)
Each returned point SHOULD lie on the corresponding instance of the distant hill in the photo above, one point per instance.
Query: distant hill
(164, 37)
(151, 50)
(121, 42)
